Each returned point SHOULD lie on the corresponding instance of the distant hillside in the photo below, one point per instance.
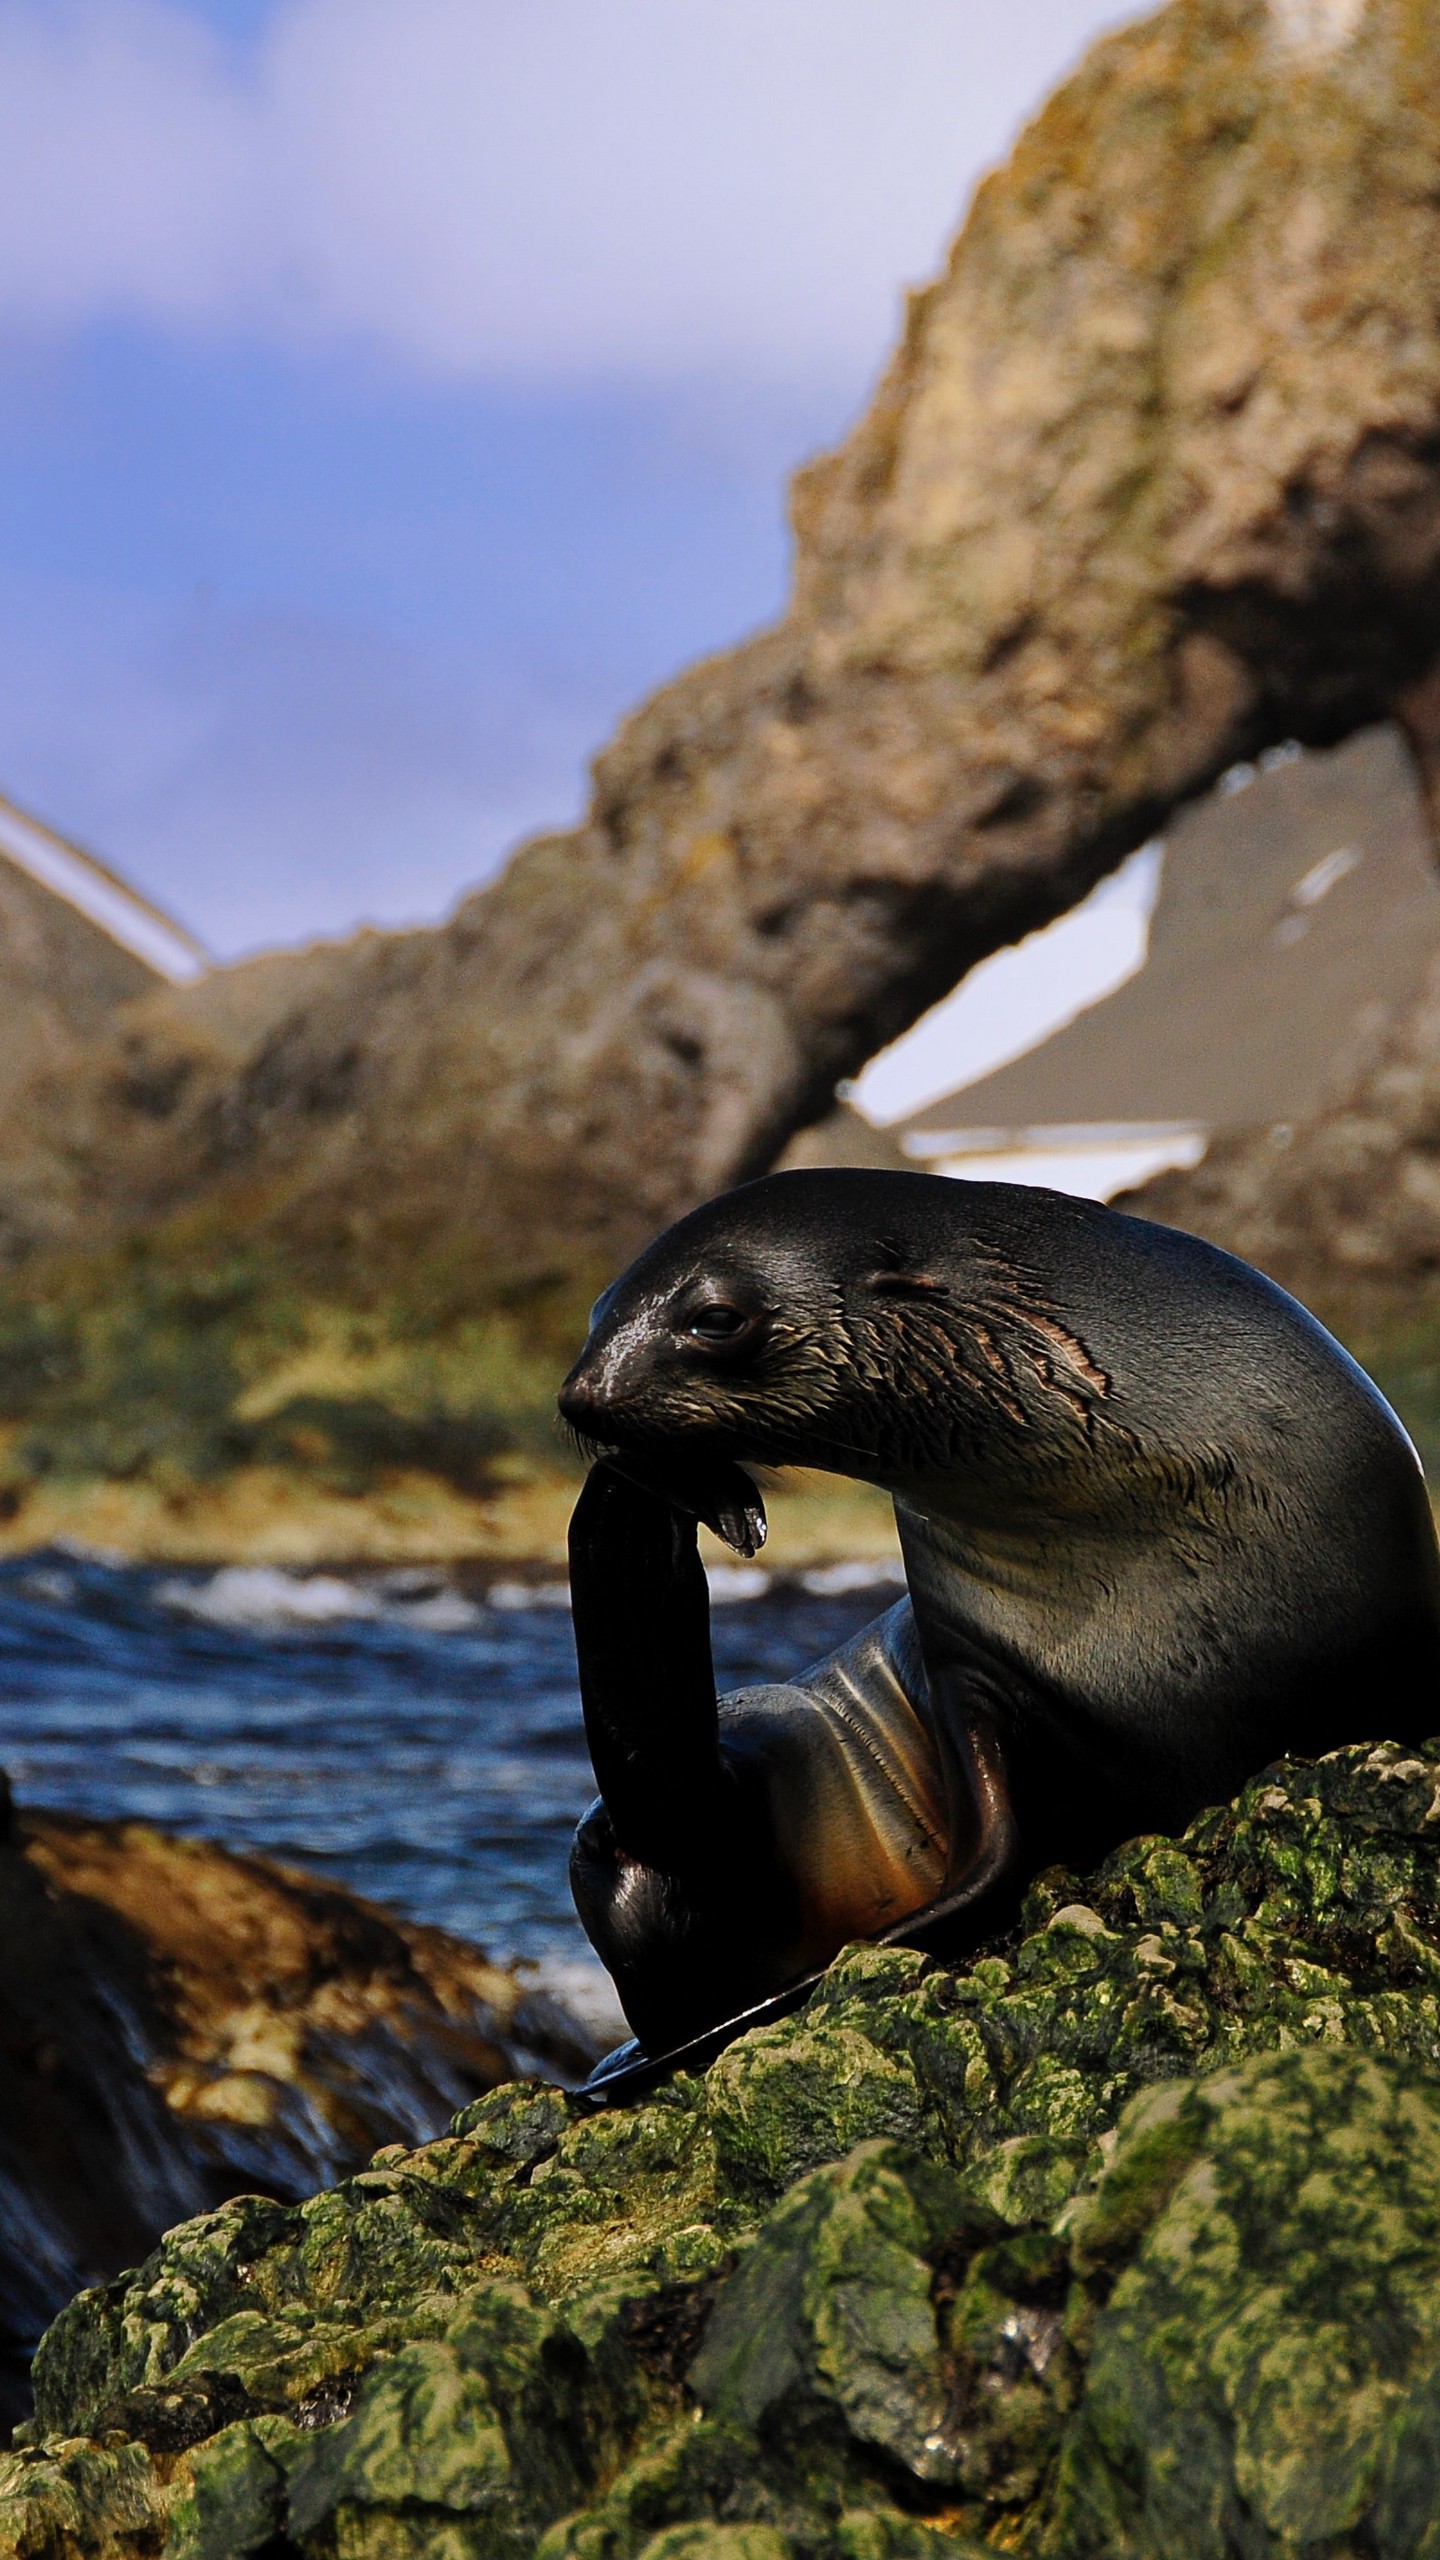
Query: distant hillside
(77, 943)
(77, 946)
(61, 980)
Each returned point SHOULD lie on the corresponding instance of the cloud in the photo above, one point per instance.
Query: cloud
(544, 189)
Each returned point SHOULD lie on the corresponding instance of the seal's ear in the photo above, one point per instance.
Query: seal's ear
(907, 1284)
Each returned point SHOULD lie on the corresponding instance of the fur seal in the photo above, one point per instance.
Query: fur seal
(1158, 1528)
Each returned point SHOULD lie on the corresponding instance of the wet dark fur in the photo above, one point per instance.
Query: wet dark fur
(1158, 1527)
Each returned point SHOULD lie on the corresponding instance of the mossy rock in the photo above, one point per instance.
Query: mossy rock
(1120, 2240)
(1263, 2369)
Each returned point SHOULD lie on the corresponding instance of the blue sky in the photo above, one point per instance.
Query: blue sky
(393, 391)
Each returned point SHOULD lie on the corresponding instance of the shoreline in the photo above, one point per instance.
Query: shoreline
(265, 1517)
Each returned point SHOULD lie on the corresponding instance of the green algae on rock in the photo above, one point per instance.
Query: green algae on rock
(1265, 2368)
(1124, 2239)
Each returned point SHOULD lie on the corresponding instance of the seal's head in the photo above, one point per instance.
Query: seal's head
(871, 1324)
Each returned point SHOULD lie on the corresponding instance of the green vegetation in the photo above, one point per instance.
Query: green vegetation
(196, 1391)
(181, 1357)
(1122, 2243)
(198, 1395)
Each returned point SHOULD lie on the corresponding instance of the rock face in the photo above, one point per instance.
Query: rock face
(1150, 482)
(1343, 1208)
(178, 2025)
(1125, 2240)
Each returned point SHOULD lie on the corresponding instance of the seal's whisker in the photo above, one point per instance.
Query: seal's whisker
(584, 1443)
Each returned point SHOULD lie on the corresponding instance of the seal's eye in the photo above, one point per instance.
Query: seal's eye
(717, 1321)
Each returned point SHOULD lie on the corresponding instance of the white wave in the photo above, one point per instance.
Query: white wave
(419, 1598)
(529, 1595)
(832, 1581)
(442, 1613)
(262, 1595)
(47, 1585)
(81, 1551)
(737, 1582)
(265, 1596)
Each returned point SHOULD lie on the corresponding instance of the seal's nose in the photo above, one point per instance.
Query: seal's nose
(578, 1402)
(587, 1398)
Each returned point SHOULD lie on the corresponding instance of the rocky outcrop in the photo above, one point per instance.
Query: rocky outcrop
(1343, 1208)
(1151, 480)
(1122, 2240)
(178, 2025)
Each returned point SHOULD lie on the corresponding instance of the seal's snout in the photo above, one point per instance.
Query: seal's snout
(577, 1407)
(671, 1346)
(582, 1398)
(599, 1398)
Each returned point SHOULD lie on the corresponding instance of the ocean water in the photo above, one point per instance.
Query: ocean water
(400, 1732)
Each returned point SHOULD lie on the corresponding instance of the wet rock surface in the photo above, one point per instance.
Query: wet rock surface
(1125, 2239)
(178, 2024)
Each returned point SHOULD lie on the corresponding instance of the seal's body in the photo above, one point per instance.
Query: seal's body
(1158, 1528)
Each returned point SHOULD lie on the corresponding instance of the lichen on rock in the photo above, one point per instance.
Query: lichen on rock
(1124, 2238)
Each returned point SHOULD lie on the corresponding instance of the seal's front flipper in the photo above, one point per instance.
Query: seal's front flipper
(641, 1606)
(979, 1897)
(676, 1884)
(685, 1952)
(631, 2072)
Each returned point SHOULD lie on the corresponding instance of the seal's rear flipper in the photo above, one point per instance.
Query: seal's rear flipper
(630, 2072)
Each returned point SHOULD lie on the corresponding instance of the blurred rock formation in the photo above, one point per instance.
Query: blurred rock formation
(179, 2025)
(1342, 1208)
(1153, 480)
